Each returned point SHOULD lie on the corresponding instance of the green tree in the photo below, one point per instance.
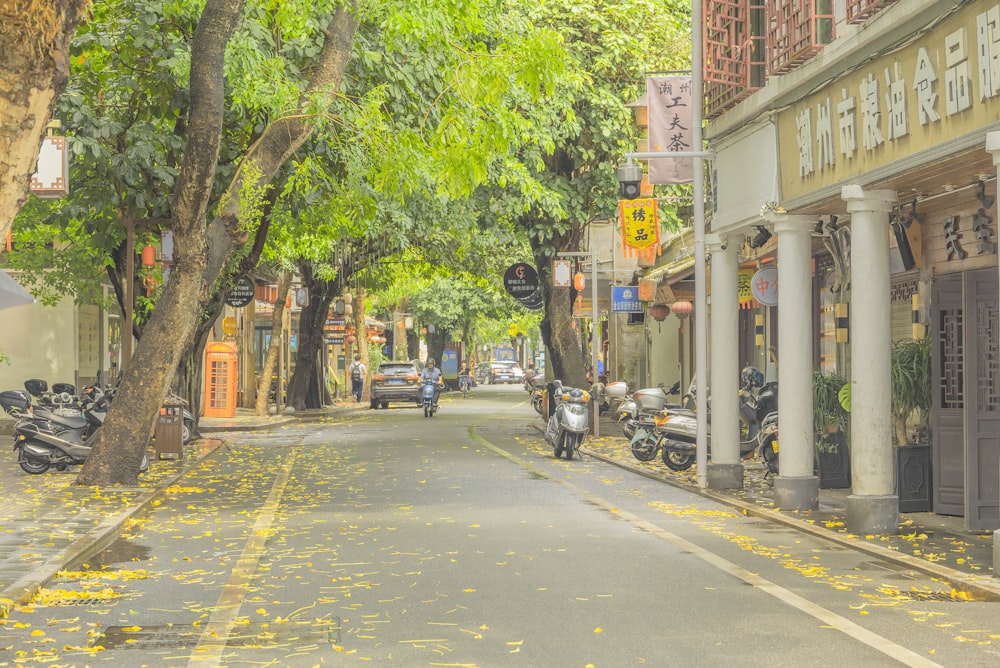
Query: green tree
(474, 123)
(613, 44)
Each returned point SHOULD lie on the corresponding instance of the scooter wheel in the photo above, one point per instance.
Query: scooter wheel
(678, 461)
(644, 449)
(427, 410)
(33, 466)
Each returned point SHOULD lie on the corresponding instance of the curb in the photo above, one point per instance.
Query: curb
(988, 590)
(89, 544)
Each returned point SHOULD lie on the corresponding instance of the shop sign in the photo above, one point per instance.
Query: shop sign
(764, 286)
(625, 299)
(945, 84)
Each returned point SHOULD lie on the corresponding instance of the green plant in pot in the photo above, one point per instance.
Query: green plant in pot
(910, 382)
(830, 417)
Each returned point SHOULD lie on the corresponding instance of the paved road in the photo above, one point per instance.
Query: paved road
(459, 540)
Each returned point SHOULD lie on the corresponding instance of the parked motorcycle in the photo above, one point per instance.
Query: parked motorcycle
(643, 404)
(44, 438)
(674, 435)
(569, 422)
(536, 387)
(427, 398)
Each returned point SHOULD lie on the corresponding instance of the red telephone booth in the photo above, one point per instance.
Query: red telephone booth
(220, 379)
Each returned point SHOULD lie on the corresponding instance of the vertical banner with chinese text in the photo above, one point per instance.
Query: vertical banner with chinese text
(669, 107)
(640, 221)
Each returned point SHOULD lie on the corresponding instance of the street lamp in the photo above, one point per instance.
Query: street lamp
(700, 296)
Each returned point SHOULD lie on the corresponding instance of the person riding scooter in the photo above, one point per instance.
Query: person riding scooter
(433, 374)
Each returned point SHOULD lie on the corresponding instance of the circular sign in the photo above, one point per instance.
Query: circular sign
(532, 301)
(241, 293)
(520, 280)
(764, 286)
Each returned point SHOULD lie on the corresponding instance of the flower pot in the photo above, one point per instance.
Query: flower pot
(913, 478)
(834, 460)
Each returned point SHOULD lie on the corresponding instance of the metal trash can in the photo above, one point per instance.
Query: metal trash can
(169, 428)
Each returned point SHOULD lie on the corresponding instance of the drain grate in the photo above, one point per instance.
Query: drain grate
(258, 635)
(943, 596)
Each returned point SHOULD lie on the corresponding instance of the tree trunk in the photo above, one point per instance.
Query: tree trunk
(118, 450)
(200, 253)
(564, 358)
(274, 348)
(35, 41)
(304, 389)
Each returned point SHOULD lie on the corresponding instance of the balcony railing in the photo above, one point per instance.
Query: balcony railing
(797, 30)
(734, 52)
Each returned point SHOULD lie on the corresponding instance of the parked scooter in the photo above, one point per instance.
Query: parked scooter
(569, 422)
(427, 398)
(536, 386)
(675, 435)
(44, 438)
(643, 404)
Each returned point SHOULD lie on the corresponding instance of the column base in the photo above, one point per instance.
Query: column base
(725, 476)
(872, 514)
(799, 493)
(996, 553)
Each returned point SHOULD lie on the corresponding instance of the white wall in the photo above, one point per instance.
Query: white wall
(745, 176)
(41, 342)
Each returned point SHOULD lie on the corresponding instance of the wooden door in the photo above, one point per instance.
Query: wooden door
(966, 419)
(947, 425)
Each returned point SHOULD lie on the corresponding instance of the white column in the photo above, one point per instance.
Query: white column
(873, 506)
(726, 469)
(795, 486)
(993, 146)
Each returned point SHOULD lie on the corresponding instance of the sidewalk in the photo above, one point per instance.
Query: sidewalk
(938, 545)
(47, 522)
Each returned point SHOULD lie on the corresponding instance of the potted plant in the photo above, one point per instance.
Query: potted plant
(910, 382)
(831, 426)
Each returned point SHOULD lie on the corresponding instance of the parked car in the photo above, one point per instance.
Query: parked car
(396, 381)
(495, 372)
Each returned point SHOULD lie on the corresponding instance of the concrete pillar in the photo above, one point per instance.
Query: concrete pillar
(993, 146)
(726, 470)
(796, 487)
(873, 506)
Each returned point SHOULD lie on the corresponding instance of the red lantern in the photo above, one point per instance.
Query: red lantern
(350, 338)
(683, 309)
(148, 256)
(579, 281)
(659, 312)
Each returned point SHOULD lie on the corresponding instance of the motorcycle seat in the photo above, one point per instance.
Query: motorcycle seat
(70, 422)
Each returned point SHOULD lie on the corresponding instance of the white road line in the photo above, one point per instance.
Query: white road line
(889, 648)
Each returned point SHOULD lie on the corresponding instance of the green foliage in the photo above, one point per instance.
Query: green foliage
(828, 413)
(910, 382)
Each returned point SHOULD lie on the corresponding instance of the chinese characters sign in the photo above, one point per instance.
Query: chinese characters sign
(625, 299)
(669, 109)
(944, 84)
(640, 221)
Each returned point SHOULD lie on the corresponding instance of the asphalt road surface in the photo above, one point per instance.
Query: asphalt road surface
(389, 538)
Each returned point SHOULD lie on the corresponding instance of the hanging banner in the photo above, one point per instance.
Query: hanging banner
(669, 108)
(640, 222)
(744, 290)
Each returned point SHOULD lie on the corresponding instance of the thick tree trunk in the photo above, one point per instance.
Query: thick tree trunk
(34, 41)
(274, 348)
(304, 389)
(169, 332)
(201, 254)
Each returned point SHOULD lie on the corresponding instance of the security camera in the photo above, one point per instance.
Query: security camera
(724, 245)
(630, 180)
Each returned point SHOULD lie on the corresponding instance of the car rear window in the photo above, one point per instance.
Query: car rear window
(396, 369)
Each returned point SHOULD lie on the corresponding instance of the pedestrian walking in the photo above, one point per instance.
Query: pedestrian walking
(358, 371)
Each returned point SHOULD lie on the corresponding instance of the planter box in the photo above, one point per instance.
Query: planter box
(835, 467)
(913, 478)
